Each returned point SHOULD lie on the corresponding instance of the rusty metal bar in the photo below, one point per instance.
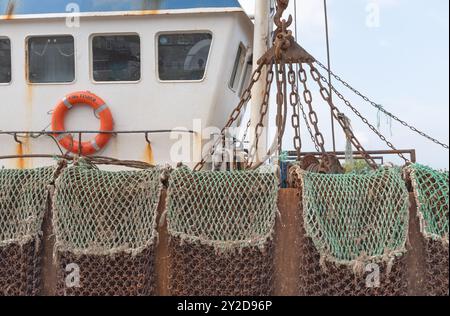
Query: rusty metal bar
(32, 133)
(416, 252)
(342, 157)
(162, 251)
(287, 247)
(411, 152)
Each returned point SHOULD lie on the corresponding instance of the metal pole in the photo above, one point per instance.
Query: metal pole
(333, 133)
(261, 42)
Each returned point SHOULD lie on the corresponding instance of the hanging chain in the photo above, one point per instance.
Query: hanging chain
(364, 120)
(264, 109)
(382, 109)
(281, 103)
(324, 92)
(305, 118)
(295, 119)
(314, 120)
(308, 126)
(246, 96)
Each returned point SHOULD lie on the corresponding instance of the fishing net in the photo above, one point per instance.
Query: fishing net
(221, 226)
(431, 192)
(105, 226)
(23, 203)
(354, 231)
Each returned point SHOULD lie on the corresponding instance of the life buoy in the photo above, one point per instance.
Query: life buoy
(101, 110)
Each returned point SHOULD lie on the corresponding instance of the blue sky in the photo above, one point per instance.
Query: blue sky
(402, 62)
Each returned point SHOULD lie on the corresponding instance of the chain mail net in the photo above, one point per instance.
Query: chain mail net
(354, 231)
(23, 203)
(105, 226)
(431, 192)
(221, 226)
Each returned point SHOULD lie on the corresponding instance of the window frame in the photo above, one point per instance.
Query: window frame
(27, 60)
(11, 66)
(236, 77)
(91, 57)
(205, 75)
(247, 72)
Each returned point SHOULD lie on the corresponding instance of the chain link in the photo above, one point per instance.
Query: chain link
(364, 120)
(318, 137)
(281, 103)
(340, 117)
(380, 108)
(294, 100)
(259, 128)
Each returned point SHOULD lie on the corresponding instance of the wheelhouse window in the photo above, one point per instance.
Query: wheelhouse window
(238, 67)
(5, 60)
(246, 77)
(116, 58)
(183, 56)
(51, 59)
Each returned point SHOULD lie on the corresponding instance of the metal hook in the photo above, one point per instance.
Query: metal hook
(16, 139)
(147, 139)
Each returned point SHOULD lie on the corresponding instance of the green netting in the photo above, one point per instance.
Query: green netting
(101, 212)
(356, 218)
(223, 209)
(23, 202)
(431, 192)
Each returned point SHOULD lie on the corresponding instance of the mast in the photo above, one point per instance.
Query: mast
(261, 43)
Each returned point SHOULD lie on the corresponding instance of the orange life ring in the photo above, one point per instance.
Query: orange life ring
(100, 109)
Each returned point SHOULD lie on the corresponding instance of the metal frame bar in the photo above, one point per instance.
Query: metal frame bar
(145, 132)
(410, 152)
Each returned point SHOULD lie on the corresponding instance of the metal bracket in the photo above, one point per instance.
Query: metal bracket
(293, 54)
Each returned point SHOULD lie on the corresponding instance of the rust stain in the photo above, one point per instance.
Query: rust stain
(29, 95)
(29, 105)
(141, 12)
(9, 13)
(22, 148)
(20, 163)
(150, 5)
(148, 155)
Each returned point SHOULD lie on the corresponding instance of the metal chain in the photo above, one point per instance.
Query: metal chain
(295, 119)
(324, 92)
(379, 107)
(308, 126)
(365, 121)
(259, 128)
(305, 118)
(281, 103)
(246, 96)
(314, 120)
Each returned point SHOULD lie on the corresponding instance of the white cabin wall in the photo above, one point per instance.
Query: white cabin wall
(227, 100)
(149, 104)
